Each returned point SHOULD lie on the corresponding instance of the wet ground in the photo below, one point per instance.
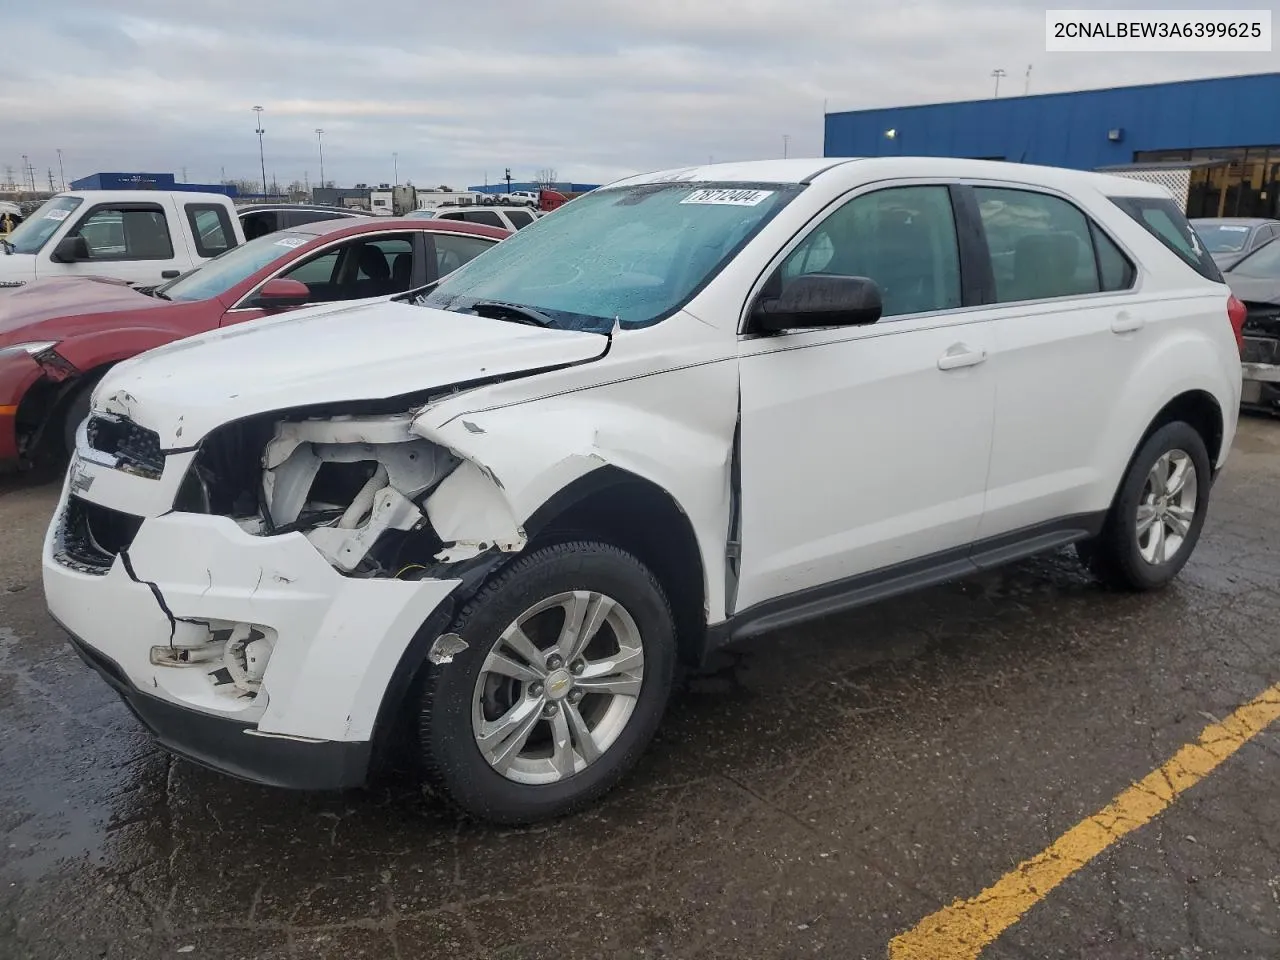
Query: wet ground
(832, 788)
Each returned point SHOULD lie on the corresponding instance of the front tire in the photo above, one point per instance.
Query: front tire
(567, 671)
(1158, 513)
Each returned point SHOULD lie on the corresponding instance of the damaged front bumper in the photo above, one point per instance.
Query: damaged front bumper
(249, 654)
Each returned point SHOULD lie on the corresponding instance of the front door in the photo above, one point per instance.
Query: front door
(866, 447)
(135, 242)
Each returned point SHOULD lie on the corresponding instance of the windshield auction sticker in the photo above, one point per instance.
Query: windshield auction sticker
(730, 198)
(290, 242)
(58, 215)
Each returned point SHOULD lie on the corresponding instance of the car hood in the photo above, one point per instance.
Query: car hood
(326, 356)
(40, 301)
(1254, 289)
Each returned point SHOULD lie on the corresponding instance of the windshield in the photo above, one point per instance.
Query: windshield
(636, 254)
(40, 226)
(1222, 237)
(224, 271)
(1263, 263)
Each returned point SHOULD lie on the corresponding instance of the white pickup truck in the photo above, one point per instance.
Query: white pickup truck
(142, 237)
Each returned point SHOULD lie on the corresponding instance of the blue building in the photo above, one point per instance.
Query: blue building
(1223, 134)
(147, 181)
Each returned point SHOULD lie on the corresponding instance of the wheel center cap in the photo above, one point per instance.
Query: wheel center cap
(559, 683)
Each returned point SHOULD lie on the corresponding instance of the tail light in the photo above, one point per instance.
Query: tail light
(1236, 313)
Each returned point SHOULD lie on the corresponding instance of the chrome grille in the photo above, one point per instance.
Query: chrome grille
(136, 448)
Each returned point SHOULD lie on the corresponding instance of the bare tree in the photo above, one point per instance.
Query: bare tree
(546, 176)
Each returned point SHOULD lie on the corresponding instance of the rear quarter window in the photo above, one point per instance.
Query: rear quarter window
(1163, 220)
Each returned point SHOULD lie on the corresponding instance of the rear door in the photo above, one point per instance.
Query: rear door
(1069, 330)
(134, 241)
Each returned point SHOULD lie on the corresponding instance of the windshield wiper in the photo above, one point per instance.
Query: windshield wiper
(511, 311)
(8, 247)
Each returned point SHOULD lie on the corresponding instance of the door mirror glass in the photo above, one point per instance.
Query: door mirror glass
(70, 250)
(820, 300)
(283, 292)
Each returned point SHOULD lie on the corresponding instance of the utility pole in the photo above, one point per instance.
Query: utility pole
(257, 113)
(786, 145)
(997, 73)
(9, 182)
(1026, 89)
(28, 173)
(62, 174)
(507, 177)
(395, 159)
(184, 174)
(320, 141)
(53, 188)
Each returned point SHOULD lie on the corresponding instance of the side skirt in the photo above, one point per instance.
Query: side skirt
(831, 598)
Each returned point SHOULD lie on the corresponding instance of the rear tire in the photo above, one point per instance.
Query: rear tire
(1159, 511)
(535, 718)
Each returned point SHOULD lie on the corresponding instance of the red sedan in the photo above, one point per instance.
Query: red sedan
(57, 337)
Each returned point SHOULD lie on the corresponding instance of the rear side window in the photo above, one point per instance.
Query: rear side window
(487, 217)
(1163, 220)
(211, 228)
(1044, 247)
(519, 218)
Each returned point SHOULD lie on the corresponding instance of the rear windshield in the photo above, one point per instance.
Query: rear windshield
(1164, 221)
(1222, 237)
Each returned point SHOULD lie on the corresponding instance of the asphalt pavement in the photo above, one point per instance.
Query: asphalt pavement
(823, 794)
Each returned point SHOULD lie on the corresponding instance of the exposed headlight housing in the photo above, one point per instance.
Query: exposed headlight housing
(30, 349)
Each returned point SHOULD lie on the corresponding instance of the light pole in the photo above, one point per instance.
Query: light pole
(395, 158)
(997, 73)
(61, 173)
(786, 144)
(257, 112)
(319, 135)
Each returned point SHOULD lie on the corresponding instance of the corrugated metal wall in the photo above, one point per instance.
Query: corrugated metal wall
(1071, 129)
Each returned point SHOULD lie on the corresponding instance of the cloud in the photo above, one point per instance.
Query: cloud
(596, 89)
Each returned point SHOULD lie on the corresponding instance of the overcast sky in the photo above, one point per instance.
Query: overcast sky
(595, 89)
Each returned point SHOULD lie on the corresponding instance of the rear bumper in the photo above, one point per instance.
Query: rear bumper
(235, 748)
(1260, 385)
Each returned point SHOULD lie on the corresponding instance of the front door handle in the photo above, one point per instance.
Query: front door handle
(169, 274)
(1126, 322)
(961, 355)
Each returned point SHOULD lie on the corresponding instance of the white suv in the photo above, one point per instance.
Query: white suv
(691, 407)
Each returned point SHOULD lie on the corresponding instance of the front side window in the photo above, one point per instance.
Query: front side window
(519, 218)
(223, 272)
(454, 249)
(903, 238)
(1041, 246)
(632, 255)
(34, 232)
(126, 233)
(211, 228)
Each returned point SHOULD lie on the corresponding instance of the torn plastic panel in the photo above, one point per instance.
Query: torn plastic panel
(346, 481)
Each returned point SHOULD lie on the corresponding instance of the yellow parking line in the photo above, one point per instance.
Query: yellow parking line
(965, 928)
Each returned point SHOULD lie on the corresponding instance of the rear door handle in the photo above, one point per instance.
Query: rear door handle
(1125, 322)
(961, 355)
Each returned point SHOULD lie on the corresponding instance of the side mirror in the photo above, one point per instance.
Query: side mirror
(820, 300)
(281, 292)
(70, 250)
